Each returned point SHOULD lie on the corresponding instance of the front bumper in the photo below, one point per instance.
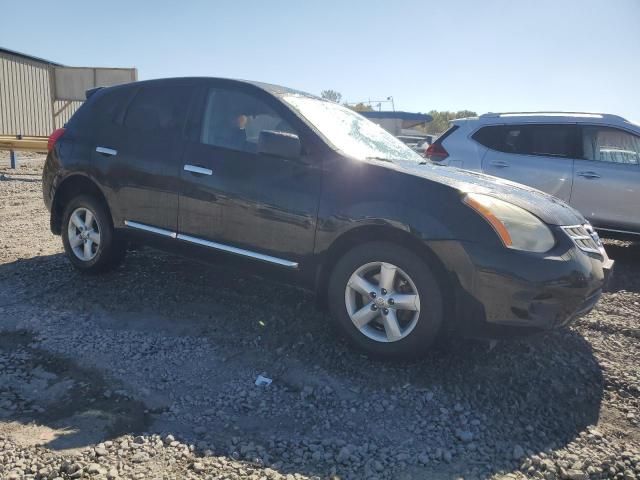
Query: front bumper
(503, 291)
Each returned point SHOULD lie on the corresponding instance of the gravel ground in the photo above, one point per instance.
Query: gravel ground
(148, 372)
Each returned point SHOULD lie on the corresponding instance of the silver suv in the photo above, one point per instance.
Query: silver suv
(590, 160)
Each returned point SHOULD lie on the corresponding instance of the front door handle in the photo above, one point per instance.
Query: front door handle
(588, 174)
(499, 164)
(197, 169)
(110, 152)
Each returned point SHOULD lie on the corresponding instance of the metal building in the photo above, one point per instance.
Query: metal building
(37, 96)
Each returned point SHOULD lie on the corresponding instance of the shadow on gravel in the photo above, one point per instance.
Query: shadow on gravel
(198, 335)
(627, 258)
(65, 405)
(624, 253)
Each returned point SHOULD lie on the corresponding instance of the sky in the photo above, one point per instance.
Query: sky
(484, 55)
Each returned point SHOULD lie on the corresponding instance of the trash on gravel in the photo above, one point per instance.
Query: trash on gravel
(263, 381)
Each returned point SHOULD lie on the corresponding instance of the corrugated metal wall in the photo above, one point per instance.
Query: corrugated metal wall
(25, 98)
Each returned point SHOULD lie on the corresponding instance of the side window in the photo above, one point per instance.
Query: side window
(550, 140)
(606, 144)
(109, 105)
(503, 138)
(158, 109)
(234, 120)
(492, 137)
(544, 140)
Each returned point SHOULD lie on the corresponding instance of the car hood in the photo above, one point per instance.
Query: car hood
(548, 208)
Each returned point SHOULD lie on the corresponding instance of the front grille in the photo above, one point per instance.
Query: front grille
(585, 238)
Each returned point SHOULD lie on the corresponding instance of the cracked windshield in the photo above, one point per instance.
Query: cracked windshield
(351, 133)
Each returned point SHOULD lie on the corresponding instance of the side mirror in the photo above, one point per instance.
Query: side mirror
(279, 144)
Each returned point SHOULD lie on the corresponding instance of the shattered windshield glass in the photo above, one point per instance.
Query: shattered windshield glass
(350, 132)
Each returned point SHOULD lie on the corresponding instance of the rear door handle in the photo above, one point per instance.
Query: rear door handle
(499, 164)
(588, 174)
(197, 169)
(107, 151)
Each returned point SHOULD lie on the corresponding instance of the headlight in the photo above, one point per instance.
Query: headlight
(517, 228)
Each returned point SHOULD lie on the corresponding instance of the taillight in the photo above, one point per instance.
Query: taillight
(436, 152)
(53, 138)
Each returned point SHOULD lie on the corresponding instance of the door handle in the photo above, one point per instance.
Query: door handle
(499, 164)
(197, 169)
(110, 152)
(588, 174)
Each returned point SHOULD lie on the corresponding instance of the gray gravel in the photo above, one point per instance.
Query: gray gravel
(149, 371)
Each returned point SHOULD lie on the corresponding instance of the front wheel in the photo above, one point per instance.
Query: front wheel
(386, 299)
(88, 236)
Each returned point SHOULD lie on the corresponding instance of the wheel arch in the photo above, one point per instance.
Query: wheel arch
(69, 188)
(367, 233)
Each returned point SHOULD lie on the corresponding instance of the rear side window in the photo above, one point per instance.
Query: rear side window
(493, 137)
(447, 132)
(605, 144)
(545, 140)
(551, 140)
(158, 109)
(107, 107)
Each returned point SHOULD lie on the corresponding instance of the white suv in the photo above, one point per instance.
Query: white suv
(589, 160)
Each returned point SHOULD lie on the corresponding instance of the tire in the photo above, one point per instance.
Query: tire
(106, 249)
(418, 320)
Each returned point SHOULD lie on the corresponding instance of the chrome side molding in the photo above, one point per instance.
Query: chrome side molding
(215, 245)
(106, 151)
(238, 251)
(149, 228)
(617, 231)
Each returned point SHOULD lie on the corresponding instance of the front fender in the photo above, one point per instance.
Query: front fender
(394, 217)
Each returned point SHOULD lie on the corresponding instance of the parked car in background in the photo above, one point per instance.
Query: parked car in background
(590, 160)
(411, 141)
(423, 145)
(399, 250)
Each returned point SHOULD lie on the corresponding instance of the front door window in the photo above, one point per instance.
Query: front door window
(234, 120)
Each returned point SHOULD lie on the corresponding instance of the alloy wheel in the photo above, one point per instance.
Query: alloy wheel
(382, 301)
(84, 234)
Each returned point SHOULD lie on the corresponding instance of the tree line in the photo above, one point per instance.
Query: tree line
(334, 96)
(438, 125)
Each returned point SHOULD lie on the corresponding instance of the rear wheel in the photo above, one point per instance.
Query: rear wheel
(88, 236)
(386, 299)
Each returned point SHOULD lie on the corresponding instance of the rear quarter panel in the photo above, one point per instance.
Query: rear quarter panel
(464, 152)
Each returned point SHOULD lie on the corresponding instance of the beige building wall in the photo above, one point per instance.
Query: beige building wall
(25, 96)
(26, 92)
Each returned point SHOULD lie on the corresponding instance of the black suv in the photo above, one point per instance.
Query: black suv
(397, 249)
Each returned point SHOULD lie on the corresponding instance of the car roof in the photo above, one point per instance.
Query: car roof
(550, 117)
(268, 87)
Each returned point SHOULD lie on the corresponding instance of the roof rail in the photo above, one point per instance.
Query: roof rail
(554, 114)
